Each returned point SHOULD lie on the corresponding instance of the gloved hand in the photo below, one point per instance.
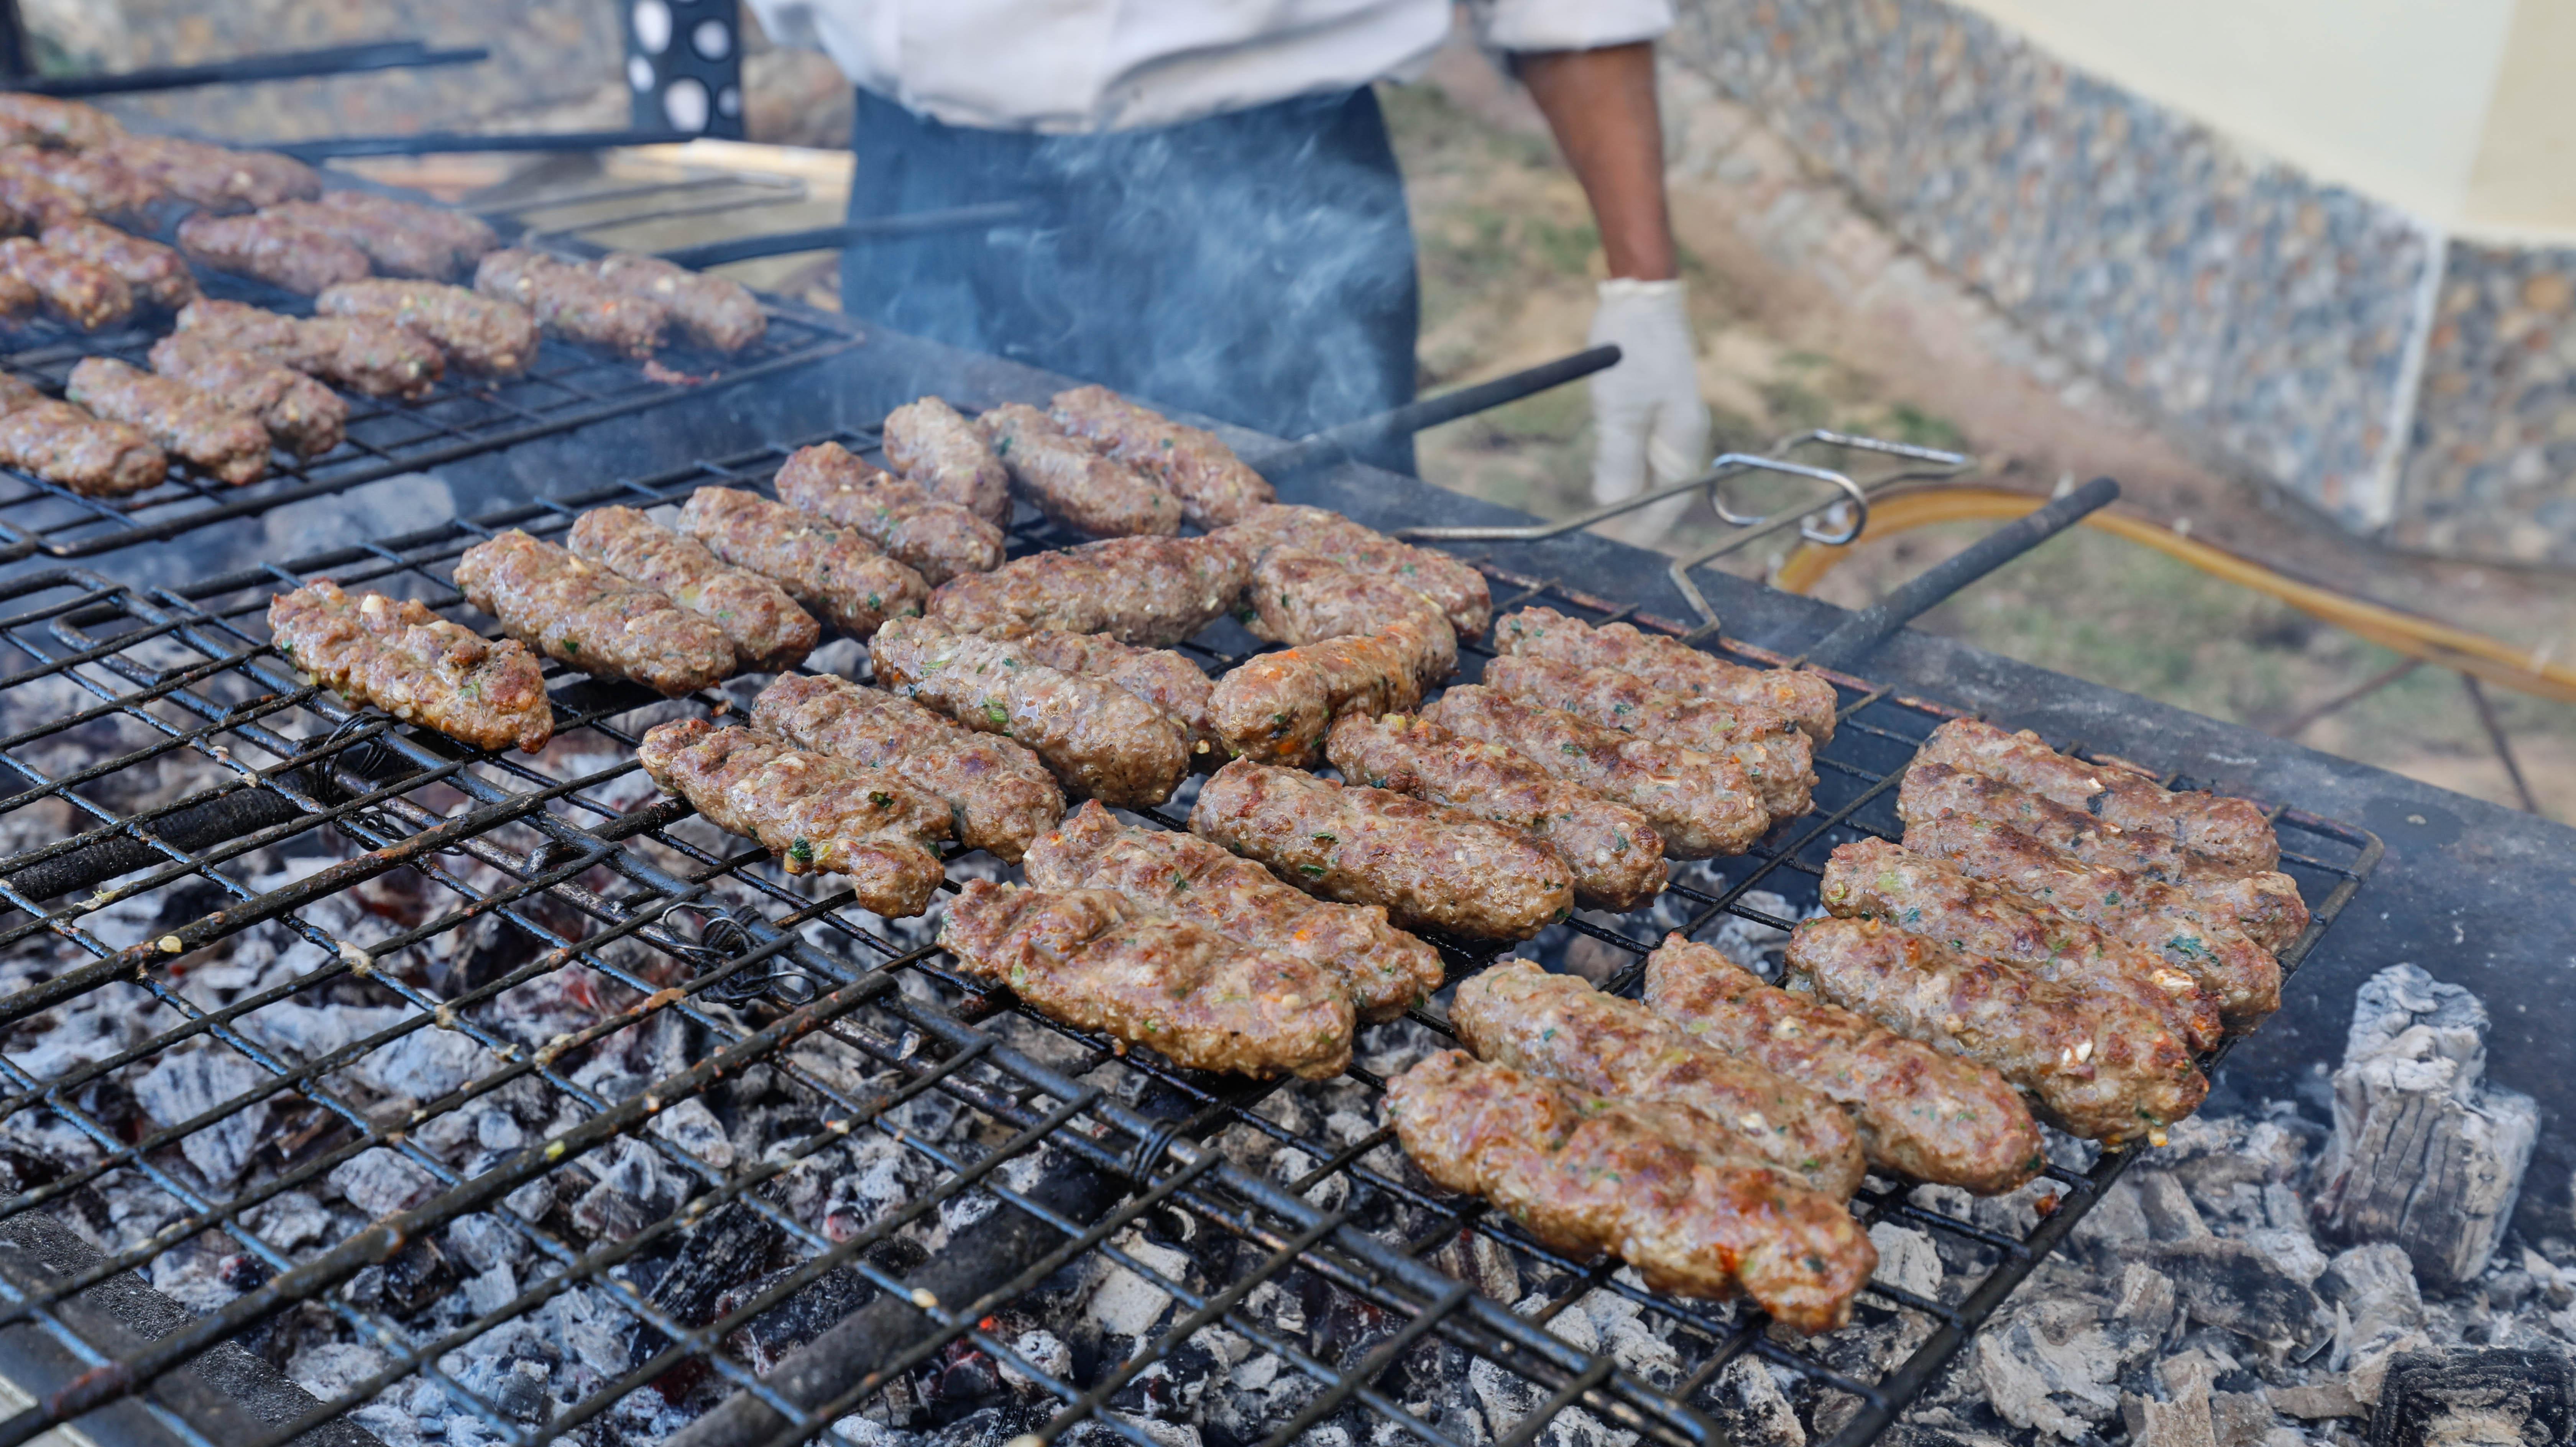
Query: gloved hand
(1646, 411)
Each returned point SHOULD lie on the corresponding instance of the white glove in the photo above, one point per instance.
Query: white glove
(1646, 410)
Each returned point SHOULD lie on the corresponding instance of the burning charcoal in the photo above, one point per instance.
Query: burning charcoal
(481, 1243)
(732, 1243)
(1752, 1407)
(1128, 1305)
(2183, 1415)
(185, 1085)
(2228, 1283)
(693, 1128)
(417, 1276)
(1509, 1399)
(2465, 1397)
(1907, 1260)
(2379, 1313)
(770, 1336)
(634, 1193)
(2051, 1367)
(1043, 1350)
(329, 1370)
(869, 1432)
(426, 1064)
(964, 1378)
(380, 1183)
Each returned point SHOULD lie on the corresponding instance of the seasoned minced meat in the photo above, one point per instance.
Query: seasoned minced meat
(999, 795)
(1457, 588)
(1095, 960)
(933, 444)
(1299, 597)
(277, 250)
(1277, 708)
(937, 539)
(1430, 866)
(1766, 744)
(215, 177)
(1385, 970)
(1074, 482)
(29, 202)
(1154, 592)
(177, 417)
(1161, 677)
(371, 357)
(2232, 830)
(83, 293)
(105, 187)
(715, 312)
(478, 333)
(828, 568)
(1671, 665)
(1587, 1175)
(65, 445)
(151, 271)
(45, 120)
(572, 302)
(463, 237)
(297, 411)
(1702, 804)
(1215, 486)
(415, 665)
(769, 632)
(591, 618)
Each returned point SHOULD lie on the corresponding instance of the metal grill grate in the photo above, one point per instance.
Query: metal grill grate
(375, 866)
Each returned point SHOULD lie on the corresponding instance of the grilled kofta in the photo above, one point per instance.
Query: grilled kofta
(278, 250)
(933, 444)
(1614, 854)
(1385, 970)
(43, 120)
(1457, 588)
(2265, 904)
(769, 632)
(1587, 1174)
(1000, 796)
(1702, 804)
(2231, 830)
(1161, 677)
(415, 665)
(1074, 482)
(938, 540)
(1766, 744)
(29, 202)
(152, 272)
(1922, 1114)
(1215, 486)
(63, 444)
(297, 411)
(477, 333)
(816, 813)
(178, 418)
(215, 177)
(1428, 865)
(2096, 1066)
(1277, 708)
(1519, 1015)
(1299, 598)
(715, 312)
(1873, 879)
(584, 615)
(1099, 739)
(104, 186)
(374, 358)
(572, 302)
(830, 569)
(402, 238)
(84, 293)
(1149, 591)
(1671, 665)
(2240, 975)
(1097, 961)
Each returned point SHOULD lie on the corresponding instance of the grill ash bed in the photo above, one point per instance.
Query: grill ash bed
(495, 1085)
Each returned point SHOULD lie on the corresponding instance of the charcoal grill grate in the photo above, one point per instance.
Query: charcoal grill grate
(126, 709)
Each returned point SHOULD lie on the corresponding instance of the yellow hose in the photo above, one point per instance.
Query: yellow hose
(2490, 659)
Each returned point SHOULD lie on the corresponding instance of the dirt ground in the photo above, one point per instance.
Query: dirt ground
(1508, 257)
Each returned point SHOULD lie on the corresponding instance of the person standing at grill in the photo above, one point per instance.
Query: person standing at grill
(1212, 216)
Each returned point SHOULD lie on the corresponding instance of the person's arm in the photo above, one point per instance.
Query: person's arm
(1601, 105)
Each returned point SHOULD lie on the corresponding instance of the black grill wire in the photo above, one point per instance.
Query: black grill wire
(566, 387)
(566, 851)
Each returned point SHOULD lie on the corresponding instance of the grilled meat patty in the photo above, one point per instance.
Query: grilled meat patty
(1671, 665)
(374, 358)
(177, 417)
(151, 272)
(715, 312)
(769, 632)
(572, 302)
(297, 411)
(1299, 598)
(1922, 1114)
(103, 185)
(2098, 1066)
(1384, 970)
(2236, 973)
(1149, 591)
(1278, 708)
(1702, 804)
(1192, 464)
(1614, 855)
(1074, 482)
(1159, 676)
(816, 813)
(1774, 754)
(84, 293)
(390, 245)
(1587, 1174)
(830, 569)
(2231, 830)
(431, 242)
(415, 665)
(215, 177)
(2265, 904)
(939, 540)
(29, 202)
(65, 445)
(43, 120)
(275, 249)
(589, 617)
(1429, 866)
(933, 444)
(1097, 961)
(1000, 796)
(1097, 738)
(1873, 879)
(1458, 589)
(1519, 1015)
(477, 333)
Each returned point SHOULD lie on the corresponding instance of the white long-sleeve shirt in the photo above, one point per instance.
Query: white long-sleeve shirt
(1070, 66)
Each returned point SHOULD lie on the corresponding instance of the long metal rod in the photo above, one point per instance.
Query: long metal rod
(286, 65)
(1335, 444)
(433, 143)
(1873, 625)
(833, 238)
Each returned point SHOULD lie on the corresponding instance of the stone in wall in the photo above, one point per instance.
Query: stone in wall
(2491, 471)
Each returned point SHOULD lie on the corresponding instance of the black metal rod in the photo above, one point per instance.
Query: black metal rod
(435, 143)
(286, 65)
(833, 238)
(1334, 444)
(1873, 625)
